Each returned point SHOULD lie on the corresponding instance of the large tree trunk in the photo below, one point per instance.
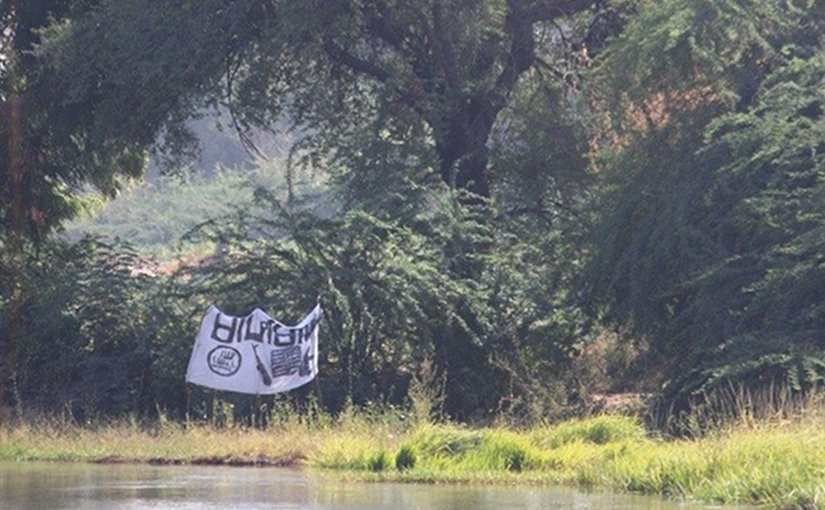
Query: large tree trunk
(11, 339)
(461, 145)
(462, 135)
(458, 94)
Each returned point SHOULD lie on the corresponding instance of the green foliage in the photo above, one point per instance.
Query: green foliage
(148, 78)
(406, 268)
(44, 157)
(405, 458)
(709, 244)
(378, 462)
(543, 212)
(435, 75)
(508, 454)
(44, 152)
(408, 276)
(445, 441)
(597, 430)
(450, 448)
(426, 392)
(687, 54)
(776, 465)
(85, 348)
(154, 215)
(444, 288)
(436, 283)
(386, 300)
(770, 172)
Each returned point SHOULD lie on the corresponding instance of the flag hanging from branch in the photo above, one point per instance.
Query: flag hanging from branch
(254, 354)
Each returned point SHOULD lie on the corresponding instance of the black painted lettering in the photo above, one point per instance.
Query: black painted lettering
(271, 331)
(255, 336)
(284, 338)
(221, 331)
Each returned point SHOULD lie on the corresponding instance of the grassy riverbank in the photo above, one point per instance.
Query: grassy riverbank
(781, 465)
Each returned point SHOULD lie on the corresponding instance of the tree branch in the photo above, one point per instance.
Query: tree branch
(559, 75)
(445, 56)
(382, 24)
(342, 56)
(543, 211)
(246, 141)
(520, 57)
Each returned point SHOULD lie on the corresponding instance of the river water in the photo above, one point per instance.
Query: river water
(29, 486)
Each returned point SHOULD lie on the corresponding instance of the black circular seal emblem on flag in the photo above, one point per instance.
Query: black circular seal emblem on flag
(224, 360)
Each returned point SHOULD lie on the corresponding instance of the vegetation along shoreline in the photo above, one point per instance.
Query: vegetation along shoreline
(508, 210)
(778, 463)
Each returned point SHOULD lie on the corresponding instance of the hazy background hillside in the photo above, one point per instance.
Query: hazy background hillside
(154, 212)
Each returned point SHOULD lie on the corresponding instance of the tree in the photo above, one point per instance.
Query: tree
(439, 72)
(710, 193)
(43, 157)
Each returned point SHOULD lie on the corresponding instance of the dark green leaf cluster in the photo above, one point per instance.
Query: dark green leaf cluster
(396, 292)
(46, 153)
(84, 343)
(504, 181)
(710, 243)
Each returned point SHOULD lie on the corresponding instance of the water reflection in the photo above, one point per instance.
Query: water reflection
(29, 486)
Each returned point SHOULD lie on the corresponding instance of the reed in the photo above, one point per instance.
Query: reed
(291, 438)
(777, 463)
(124, 442)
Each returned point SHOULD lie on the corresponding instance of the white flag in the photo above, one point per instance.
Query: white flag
(254, 354)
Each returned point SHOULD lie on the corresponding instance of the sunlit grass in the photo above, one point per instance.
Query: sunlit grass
(289, 440)
(779, 464)
(121, 442)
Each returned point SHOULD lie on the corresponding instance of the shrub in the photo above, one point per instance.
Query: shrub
(405, 459)
(598, 430)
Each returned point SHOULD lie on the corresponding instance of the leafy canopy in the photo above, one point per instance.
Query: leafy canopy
(710, 224)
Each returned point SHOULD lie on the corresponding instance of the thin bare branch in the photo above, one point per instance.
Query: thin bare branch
(246, 141)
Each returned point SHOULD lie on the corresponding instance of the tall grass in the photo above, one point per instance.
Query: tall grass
(123, 442)
(778, 463)
(290, 439)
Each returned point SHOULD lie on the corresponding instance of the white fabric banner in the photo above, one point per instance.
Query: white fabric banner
(254, 354)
